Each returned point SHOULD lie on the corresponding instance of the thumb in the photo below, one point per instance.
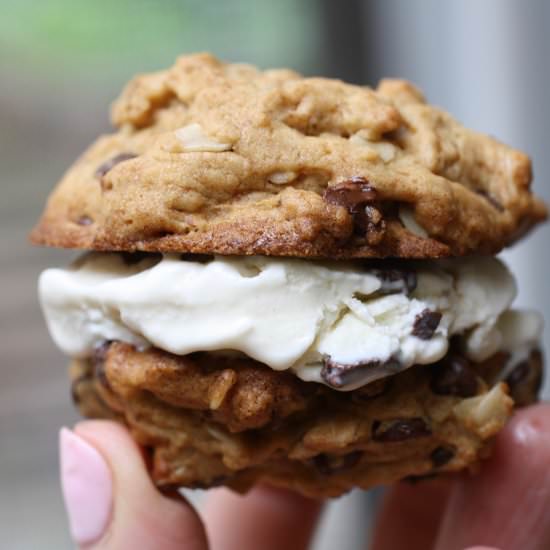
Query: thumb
(110, 500)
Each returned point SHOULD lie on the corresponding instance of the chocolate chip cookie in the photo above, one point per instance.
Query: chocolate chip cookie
(220, 158)
(208, 420)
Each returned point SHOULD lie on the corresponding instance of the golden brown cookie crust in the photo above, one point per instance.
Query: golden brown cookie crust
(261, 163)
(210, 420)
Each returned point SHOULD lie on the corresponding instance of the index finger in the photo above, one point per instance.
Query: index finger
(266, 518)
(508, 504)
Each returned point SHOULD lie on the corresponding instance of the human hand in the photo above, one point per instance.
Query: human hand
(112, 504)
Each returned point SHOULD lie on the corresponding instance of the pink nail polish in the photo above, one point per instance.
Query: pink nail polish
(87, 487)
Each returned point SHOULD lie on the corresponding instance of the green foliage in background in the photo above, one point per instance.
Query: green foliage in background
(106, 35)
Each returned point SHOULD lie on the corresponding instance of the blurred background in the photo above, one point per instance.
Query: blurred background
(63, 61)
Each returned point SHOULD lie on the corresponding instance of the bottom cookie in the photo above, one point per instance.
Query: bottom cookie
(209, 419)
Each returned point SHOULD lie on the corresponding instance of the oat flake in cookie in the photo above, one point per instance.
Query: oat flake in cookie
(289, 280)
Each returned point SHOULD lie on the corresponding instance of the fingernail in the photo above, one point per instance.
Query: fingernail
(87, 487)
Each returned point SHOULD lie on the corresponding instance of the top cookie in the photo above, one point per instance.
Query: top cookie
(219, 158)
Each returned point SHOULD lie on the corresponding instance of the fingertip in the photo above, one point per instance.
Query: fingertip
(86, 484)
(276, 518)
(410, 514)
(523, 443)
(124, 456)
(106, 433)
(143, 517)
(514, 483)
(529, 428)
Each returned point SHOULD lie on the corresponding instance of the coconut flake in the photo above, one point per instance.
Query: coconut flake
(282, 177)
(406, 215)
(486, 413)
(384, 150)
(193, 138)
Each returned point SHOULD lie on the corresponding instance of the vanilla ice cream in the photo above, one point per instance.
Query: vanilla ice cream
(289, 313)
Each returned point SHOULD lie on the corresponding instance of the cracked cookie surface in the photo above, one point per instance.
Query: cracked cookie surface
(208, 420)
(219, 158)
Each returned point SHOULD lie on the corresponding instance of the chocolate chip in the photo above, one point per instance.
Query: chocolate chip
(108, 165)
(441, 456)
(525, 380)
(351, 193)
(84, 220)
(425, 324)
(394, 280)
(454, 376)
(491, 199)
(357, 195)
(338, 375)
(399, 429)
(328, 465)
